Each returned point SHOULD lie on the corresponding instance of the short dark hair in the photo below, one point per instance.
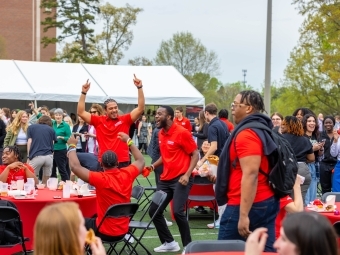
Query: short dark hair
(109, 159)
(311, 232)
(303, 110)
(109, 100)
(328, 117)
(29, 111)
(223, 113)
(254, 99)
(45, 120)
(15, 149)
(179, 108)
(211, 108)
(169, 110)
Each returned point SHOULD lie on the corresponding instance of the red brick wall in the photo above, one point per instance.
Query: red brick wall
(16, 29)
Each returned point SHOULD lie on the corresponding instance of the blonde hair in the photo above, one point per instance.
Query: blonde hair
(56, 230)
(98, 108)
(15, 126)
(68, 120)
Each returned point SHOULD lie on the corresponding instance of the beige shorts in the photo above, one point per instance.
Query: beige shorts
(42, 162)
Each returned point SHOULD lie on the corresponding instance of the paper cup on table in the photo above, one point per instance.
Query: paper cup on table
(20, 184)
(66, 190)
(330, 200)
(84, 189)
(30, 181)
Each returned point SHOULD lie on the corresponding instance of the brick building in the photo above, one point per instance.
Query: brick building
(21, 32)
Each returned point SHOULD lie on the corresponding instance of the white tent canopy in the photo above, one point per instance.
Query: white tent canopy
(46, 81)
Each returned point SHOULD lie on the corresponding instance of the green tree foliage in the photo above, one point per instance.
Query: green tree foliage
(73, 18)
(140, 61)
(313, 72)
(188, 55)
(117, 35)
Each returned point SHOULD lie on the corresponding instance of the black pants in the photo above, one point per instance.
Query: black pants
(326, 176)
(91, 223)
(143, 145)
(60, 160)
(179, 194)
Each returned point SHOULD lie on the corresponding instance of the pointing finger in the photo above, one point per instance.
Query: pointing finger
(135, 76)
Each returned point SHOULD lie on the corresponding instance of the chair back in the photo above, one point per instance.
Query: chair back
(215, 245)
(159, 197)
(8, 214)
(199, 180)
(337, 196)
(137, 192)
(124, 210)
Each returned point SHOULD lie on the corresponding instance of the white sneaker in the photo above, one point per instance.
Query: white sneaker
(212, 225)
(168, 223)
(183, 252)
(168, 247)
(131, 240)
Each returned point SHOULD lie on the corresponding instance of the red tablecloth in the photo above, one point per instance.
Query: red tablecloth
(29, 210)
(196, 190)
(330, 215)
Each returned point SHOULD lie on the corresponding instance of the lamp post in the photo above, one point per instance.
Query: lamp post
(268, 58)
(244, 77)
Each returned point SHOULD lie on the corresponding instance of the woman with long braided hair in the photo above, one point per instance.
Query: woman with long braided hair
(292, 130)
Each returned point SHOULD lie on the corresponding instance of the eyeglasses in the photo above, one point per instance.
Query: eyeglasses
(233, 104)
(93, 112)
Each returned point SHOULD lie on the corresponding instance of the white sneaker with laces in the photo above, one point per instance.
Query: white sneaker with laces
(131, 240)
(212, 225)
(168, 247)
(168, 223)
(183, 252)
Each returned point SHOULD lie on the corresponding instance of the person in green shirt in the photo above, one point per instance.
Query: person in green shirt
(63, 133)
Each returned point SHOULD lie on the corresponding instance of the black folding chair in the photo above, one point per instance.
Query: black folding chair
(8, 215)
(215, 245)
(158, 199)
(124, 210)
(210, 198)
(137, 192)
(337, 196)
(149, 190)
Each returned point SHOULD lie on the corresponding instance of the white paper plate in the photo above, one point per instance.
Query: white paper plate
(13, 193)
(88, 195)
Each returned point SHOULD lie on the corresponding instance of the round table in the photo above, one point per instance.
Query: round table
(30, 208)
(330, 215)
(229, 253)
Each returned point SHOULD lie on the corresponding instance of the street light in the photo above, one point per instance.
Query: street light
(244, 76)
(268, 58)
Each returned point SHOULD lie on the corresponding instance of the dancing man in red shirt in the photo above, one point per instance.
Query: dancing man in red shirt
(108, 126)
(113, 186)
(179, 156)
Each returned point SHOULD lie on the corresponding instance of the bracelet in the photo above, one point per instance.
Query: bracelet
(72, 145)
(84, 93)
(140, 87)
(72, 149)
(153, 167)
(130, 143)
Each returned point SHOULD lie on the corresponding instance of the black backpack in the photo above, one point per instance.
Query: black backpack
(282, 162)
(9, 231)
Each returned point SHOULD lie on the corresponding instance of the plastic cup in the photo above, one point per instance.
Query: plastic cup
(20, 184)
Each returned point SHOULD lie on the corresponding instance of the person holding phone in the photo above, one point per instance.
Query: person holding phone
(335, 152)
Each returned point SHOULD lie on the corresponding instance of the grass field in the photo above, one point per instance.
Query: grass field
(198, 224)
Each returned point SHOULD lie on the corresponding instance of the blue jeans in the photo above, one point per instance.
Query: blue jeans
(311, 192)
(261, 214)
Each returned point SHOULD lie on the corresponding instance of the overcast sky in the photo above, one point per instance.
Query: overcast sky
(234, 29)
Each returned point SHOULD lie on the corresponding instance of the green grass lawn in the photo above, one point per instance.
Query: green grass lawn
(198, 224)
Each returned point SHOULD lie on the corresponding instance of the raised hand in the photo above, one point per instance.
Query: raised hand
(137, 81)
(123, 137)
(335, 135)
(86, 86)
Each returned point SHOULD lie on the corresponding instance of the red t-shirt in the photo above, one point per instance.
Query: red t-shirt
(19, 175)
(282, 214)
(228, 123)
(176, 147)
(113, 187)
(247, 144)
(184, 122)
(107, 130)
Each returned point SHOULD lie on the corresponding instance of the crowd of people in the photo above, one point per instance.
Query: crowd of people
(96, 146)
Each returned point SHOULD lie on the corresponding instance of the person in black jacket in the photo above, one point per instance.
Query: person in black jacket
(2, 137)
(79, 130)
(202, 133)
(328, 162)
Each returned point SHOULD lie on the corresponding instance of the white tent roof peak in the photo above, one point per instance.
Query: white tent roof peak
(62, 82)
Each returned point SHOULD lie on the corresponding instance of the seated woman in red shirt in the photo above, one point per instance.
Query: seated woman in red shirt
(13, 169)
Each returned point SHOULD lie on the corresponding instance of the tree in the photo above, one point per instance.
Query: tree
(3, 53)
(73, 18)
(188, 55)
(117, 35)
(140, 61)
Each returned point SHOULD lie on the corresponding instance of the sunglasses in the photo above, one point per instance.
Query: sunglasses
(93, 112)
